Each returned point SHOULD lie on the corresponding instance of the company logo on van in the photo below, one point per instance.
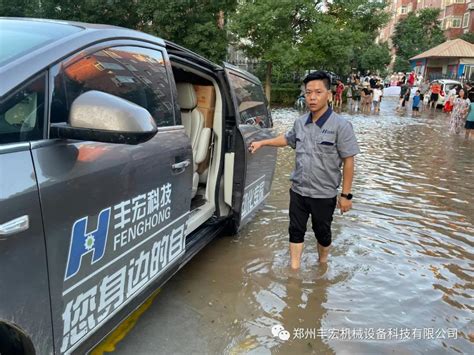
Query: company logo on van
(83, 243)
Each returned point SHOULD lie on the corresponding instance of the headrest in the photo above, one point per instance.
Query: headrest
(186, 96)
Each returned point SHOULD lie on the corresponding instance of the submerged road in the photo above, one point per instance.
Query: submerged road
(399, 279)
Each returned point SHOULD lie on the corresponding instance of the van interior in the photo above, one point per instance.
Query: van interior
(200, 101)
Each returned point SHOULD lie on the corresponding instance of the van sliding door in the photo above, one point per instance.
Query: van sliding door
(253, 173)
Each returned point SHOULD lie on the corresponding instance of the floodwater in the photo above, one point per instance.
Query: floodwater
(400, 275)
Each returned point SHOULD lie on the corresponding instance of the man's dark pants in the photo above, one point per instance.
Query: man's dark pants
(321, 211)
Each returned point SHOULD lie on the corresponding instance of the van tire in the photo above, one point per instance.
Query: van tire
(14, 342)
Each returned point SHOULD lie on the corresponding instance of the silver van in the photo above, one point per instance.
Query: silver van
(121, 156)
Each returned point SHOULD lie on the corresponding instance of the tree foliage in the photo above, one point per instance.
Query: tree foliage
(468, 37)
(415, 34)
(343, 37)
(270, 31)
(196, 24)
(308, 34)
(199, 25)
(375, 57)
(113, 12)
(287, 36)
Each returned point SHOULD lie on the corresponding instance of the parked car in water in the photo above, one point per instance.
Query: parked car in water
(121, 156)
(446, 86)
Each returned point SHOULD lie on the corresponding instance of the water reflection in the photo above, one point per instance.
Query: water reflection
(399, 279)
(401, 266)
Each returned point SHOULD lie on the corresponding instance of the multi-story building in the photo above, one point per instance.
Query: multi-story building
(456, 16)
(398, 10)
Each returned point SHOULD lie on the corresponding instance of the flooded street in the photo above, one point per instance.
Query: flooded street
(400, 271)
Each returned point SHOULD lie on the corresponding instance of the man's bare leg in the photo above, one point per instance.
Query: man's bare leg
(323, 253)
(296, 249)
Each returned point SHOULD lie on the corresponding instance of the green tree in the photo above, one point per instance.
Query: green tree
(113, 12)
(329, 46)
(343, 37)
(468, 37)
(199, 25)
(270, 31)
(19, 8)
(415, 34)
(375, 57)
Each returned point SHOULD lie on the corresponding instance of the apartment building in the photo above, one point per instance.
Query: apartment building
(398, 10)
(457, 16)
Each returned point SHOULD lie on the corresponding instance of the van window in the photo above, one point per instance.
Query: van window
(18, 37)
(22, 113)
(251, 102)
(133, 73)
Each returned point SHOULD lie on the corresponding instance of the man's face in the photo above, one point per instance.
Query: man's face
(316, 95)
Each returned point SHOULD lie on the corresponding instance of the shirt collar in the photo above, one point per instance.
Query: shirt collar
(322, 120)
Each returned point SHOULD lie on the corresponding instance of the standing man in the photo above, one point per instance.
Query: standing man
(323, 142)
(435, 90)
(338, 96)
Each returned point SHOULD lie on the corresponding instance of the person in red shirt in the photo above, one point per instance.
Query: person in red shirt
(411, 79)
(338, 96)
(435, 90)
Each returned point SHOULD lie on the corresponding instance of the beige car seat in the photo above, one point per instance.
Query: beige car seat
(193, 122)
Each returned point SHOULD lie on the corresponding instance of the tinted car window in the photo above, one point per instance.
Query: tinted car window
(132, 73)
(251, 102)
(19, 37)
(22, 113)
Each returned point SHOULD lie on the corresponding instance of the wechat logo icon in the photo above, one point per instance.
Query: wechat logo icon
(279, 331)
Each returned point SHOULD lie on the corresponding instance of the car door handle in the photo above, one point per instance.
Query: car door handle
(16, 225)
(181, 165)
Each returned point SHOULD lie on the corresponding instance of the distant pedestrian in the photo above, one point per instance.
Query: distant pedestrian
(470, 91)
(449, 100)
(424, 88)
(435, 90)
(356, 95)
(469, 120)
(411, 79)
(372, 82)
(416, 104)
(403, 91)
(366, 96)
(350, 103)
(449, 103)
(338, 95)
(406, 97)
(377, 96)
(461, 105)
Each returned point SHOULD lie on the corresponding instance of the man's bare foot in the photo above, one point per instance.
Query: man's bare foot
(296, 249)
(323, 253)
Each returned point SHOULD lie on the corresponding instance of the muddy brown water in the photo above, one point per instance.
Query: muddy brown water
(399, 279)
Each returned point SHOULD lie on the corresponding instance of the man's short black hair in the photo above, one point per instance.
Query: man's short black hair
(319, 75)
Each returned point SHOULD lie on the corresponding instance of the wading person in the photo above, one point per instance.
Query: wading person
(338, 96)
(460, 107)
(416, 104)
(435, 90)
(323, 142)
(469, 126)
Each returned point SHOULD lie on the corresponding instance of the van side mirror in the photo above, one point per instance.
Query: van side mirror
(101, 117)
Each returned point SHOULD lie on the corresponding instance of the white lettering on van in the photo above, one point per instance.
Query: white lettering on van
(141, 228)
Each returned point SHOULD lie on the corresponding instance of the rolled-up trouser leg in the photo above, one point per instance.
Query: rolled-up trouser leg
(299, 214)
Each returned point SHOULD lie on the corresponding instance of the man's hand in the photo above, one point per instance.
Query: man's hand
(344, 204)
(254, 146)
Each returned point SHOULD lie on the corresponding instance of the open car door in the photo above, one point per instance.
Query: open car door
(252, 173)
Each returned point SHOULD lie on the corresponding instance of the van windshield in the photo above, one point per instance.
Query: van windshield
(19, 37)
